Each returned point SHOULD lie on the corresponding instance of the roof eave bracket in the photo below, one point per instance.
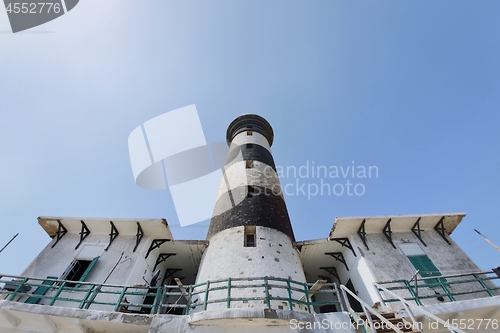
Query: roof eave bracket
(61, 231)
(138, 236)
(345, 242)
(339, 257)
(112, 235)
(362, 233)
(441, 230)
(332, 271)
(162, 258)
(156, 243)
(388, 232)
(83, 234)
(417, 231)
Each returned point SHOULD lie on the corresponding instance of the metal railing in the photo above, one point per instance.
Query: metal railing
(410, 308)
(441, 287)
(296, 293)
(176, 299)
(367, 324)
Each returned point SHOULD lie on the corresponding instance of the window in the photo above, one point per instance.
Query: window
(249, 164)
(78, 270)
(250, 191)
(249, 145)
(356, 306)
(249, 132)
(427, 269)
(250, 240)
(421, 262)
(249, 234)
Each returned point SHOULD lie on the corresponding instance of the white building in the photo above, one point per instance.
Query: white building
(251, 274)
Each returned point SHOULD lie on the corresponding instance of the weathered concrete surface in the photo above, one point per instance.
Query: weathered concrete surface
(476, 315)
(273, 256)
(39, 318)
(387, 263)
(252, 320)
(27, 318)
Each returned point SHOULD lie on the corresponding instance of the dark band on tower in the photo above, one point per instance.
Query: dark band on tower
(256, 199)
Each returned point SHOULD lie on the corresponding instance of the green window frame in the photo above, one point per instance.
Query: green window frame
(78, 270)
(89, 268)
(427, 269)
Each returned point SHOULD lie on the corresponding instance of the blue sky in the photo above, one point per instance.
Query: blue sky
(411, 87)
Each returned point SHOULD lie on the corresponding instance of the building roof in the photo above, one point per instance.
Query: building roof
(156, 228)
(344, 226)
(316, 255)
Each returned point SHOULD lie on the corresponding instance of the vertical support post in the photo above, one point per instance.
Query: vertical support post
(445, 289)
(228, 293)
(206, 295)
(57, 293)
(154, 306)
(289, 287)
(97, 289)
(485, 287)
(412, 292)
(162, 297)
(190, 297)
(339, 298)
(11, 298)
(86, 296)
(308, 300)
(120, 298)
(266, 287)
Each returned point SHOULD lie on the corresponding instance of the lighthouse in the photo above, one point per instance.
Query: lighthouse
(250, 235)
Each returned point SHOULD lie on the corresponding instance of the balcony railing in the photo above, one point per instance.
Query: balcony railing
(174, 299)
(442, 288)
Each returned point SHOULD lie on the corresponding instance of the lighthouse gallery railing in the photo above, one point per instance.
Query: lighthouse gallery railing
(174, 299)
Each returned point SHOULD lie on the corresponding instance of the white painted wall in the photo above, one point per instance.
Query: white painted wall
(273, 256)
(237, 175)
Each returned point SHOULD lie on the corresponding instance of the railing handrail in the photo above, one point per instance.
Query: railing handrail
(367, 308)
(443, 276)
(409, 307)
(444, 282)
(90, 291)
(71, 281)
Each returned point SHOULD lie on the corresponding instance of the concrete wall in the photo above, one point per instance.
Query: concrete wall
(359, 273)
(386, 263)
(119, 265)
(54, 261)
(272, 256)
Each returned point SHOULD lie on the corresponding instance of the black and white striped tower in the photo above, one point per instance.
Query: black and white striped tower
(250, 233)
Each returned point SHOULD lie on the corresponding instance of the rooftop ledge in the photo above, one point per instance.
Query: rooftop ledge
(126, 227)
(345, 226)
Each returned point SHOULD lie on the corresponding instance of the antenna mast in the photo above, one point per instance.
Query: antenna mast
(492, 244)
(9, 242)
